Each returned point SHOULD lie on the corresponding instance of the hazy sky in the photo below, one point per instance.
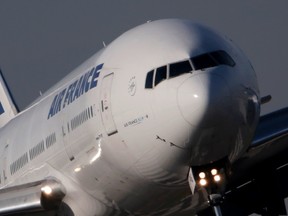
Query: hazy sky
(43, 40)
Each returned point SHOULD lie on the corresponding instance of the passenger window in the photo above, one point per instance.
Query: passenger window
(203, 61)
(149, 79)
(179, 68)
(161, 74)
(223, 58)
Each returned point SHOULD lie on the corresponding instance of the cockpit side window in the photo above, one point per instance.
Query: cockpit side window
(176, 69)
(149, 79)
(161, 74)
(203, 61)
(222, 58)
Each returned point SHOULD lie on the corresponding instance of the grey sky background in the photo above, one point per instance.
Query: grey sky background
(43, 40)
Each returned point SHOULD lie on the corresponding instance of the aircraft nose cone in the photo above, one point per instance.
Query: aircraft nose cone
(204, 100)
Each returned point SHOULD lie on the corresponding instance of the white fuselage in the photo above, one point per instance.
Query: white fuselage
(115, 144)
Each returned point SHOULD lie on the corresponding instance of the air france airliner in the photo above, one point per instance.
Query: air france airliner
(150, 125)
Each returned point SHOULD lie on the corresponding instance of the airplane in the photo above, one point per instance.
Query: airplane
(162, 121)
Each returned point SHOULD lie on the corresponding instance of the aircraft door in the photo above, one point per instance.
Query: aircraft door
(106, 111)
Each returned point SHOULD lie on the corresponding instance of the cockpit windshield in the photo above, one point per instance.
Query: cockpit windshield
(211, 60)
(176, 69)
(200, 62)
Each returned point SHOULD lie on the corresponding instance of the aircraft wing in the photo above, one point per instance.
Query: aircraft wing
(258, 179)
(268, 150)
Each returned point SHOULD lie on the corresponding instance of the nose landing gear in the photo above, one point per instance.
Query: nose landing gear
(215, 200)
(211, 178)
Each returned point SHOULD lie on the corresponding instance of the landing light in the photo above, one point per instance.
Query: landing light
(217, 178)
(214, 172)
(47, 190)
(203, 182)
(202, 175)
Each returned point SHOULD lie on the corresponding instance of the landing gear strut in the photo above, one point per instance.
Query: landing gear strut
(215, 200)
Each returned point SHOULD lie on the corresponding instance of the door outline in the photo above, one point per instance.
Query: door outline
(3, 166)
(106, 109)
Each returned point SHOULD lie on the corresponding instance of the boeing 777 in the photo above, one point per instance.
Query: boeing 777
(159, 122)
